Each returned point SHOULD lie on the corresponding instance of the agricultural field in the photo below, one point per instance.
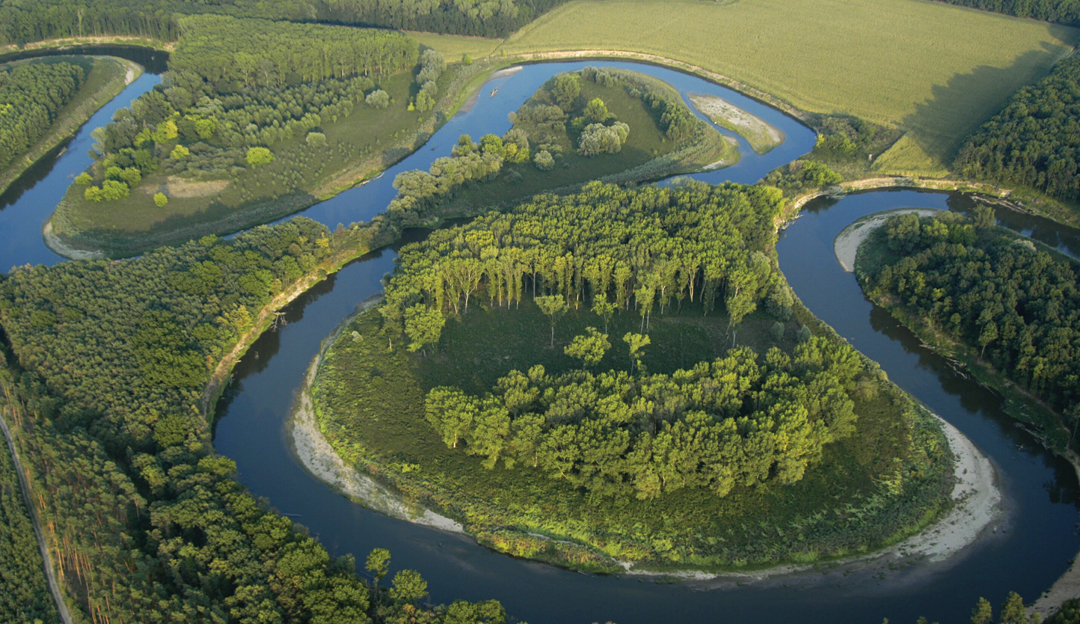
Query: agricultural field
(934, 70)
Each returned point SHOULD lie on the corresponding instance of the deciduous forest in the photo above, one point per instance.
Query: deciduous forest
(31, 97)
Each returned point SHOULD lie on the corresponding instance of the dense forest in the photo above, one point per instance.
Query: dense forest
(1016, 307)
(26, 596)
(146, 522)
(24, 21)
(31, 97)
(235, 88)
(736, 420)
(1034, 141)
(1059, 11)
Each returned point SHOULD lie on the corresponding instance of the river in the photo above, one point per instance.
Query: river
(1030, 548)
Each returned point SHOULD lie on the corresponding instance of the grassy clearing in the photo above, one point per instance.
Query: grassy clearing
(358, 147)
(369, 404)
(934, 70)
(453, 47)
(105, 78)
(761, 136)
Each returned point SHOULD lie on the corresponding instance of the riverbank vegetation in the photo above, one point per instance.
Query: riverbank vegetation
(44, 100)
(606, 124)
(761, 136)
(254, 120)
(104, 389)
(1002, 306)
(478, 354)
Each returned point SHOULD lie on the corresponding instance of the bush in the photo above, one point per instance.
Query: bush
(259, 156)
(378, 99)
(316, 139)
(160, 199)
(179, 153)
(84, 179)
(544, 161)
(110, 190)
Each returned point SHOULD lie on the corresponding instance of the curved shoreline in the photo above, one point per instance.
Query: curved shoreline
(975, 496)
(847, 242)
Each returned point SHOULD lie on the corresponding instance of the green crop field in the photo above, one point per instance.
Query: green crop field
(932, 69)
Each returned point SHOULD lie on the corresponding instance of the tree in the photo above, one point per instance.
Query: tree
(160, 200)
(544, 160)
(378, 564)
(983, 613)
(423, 326)
(636, 342)
(596, 111)
(1013, 610)
(316, 139)
(451, 412)
(589, 347)
(378, 99)
(989, 334)
(984, 217)
(424, 101)
(180, 152)
(257, 156)
(565, 89)
(553, 306)
(409, 587)
(84, 179)
(604, 309)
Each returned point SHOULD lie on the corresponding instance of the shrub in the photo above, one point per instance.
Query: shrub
(544, 161)
(179, 153)
(160, 199)
(84, 179)
(316, 139)
(378, 99)
(259, 156)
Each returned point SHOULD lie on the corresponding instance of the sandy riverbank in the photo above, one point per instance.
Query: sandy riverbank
(761, 136)
(317, 456)
(846, 245)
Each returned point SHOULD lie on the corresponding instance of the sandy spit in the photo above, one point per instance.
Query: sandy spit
(317, 456)
(53, 242)
(761, 136)
(846, 245)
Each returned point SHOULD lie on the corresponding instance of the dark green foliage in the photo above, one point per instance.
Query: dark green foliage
(25, 596)
(31, 97)
(1060, 11)
(1015, 306)
(146, 522)
(1068, 614)
(1035, 141)
(734, 421)
(23, 21)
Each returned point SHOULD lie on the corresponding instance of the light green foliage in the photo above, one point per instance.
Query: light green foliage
(1013, 610)
(84, 179)
(544, 161)
(636, 343)
(565, 89)
(259, 156)
(409, 587)
(110, 190)
(600, 139)
(160, 200)
(315, 139)
(589, 347)
(378, 99)
(378, 563)
(596, 112)
(423, 326)
(982, 613)
(179, 152)
(553, 307)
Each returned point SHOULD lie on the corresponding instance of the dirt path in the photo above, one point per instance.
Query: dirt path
(24, 486)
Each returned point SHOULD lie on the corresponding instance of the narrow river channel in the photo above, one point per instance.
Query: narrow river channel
(1029, 549)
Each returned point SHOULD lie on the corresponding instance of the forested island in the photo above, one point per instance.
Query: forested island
(43, 101)
(1004, 307)
(621, 377)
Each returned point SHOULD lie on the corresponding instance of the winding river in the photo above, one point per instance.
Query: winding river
(1027, 550)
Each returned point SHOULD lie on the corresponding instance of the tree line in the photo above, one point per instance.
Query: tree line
(25, 21)
(31, 97)
(1034, 142)
(647, 248)
(1059, 11)
(1015, 306)
(145, 522)
(735, 421)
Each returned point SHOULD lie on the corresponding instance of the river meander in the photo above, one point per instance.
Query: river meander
(1026, 552)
